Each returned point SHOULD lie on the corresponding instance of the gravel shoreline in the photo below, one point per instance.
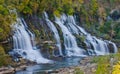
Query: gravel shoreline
(86, 67)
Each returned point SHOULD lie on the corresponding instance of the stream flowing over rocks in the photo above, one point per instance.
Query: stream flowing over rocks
(59, 36)
(71, 44)
(24, 44)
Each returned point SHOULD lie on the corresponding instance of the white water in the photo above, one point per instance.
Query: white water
(54, 30)
(114, 46)
(69, 40)
(24, 40)
(24, 44)
(100, 46)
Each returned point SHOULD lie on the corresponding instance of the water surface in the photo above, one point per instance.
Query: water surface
(41, 68)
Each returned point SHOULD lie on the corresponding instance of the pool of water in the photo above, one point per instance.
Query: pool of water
(41, 68)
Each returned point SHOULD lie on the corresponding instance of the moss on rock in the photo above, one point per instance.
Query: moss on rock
(4, 58)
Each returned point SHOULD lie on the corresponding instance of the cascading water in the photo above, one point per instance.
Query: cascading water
(54, 30)
(69, 40)
(24, 45)
(32, 36)
(114, 46)
(100, 47)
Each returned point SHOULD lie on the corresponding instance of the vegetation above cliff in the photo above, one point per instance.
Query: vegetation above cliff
(91, 13)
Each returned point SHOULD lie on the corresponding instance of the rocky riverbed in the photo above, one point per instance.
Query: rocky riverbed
(88, 65)
(16, 66)
(85, 67)
(91, 65)
(11, 70)
(64, 70)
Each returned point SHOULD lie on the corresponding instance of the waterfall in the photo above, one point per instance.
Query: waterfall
(24, 40)
(69, 40)
(54, 30)
(114, 46)
(23, 43)
(100, 47)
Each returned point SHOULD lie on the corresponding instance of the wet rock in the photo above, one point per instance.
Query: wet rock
(22, 67)
(6, 70)
(84, 61)
(85, 67)
(51, 72)
(48, 42)
(111, 48)
(12, 70)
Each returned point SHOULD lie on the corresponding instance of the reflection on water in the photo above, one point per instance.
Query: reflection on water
(41, 68)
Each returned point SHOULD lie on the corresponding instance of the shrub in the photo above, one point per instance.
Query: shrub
(78, 71)
(116, 68)
(4, 58)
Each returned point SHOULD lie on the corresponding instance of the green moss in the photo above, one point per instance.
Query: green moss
(1, 30)
(106, 36)
(37, 33)
(2, 52)
(49, 47)
(57, 13)
(4, 58)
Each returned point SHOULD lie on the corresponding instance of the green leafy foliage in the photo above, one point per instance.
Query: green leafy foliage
(116, 68)
(4, 58)
(90, 11)
(2, 52)
(92, 14)
(105, 63)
